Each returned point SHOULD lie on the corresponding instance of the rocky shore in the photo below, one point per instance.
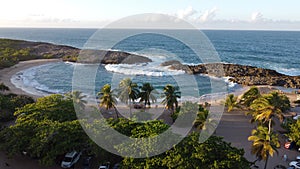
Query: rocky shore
(13, 51)
(20, 50)
(241, 74)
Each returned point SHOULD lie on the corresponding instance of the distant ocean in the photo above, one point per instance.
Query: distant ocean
(277, 50)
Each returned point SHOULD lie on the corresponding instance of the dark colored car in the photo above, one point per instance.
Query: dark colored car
(86, 163)
(116, 166)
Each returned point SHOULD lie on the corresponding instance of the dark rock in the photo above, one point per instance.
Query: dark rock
(170, 63)
(241, 74)
(110, 57)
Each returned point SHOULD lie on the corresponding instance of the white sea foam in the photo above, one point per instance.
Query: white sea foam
(230, 84)
(289, 71)
(26, 81)
(147, 69)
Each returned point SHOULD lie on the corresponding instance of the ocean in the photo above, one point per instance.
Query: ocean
(277, 50)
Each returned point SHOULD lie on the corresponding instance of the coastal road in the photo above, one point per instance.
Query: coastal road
(236, 128)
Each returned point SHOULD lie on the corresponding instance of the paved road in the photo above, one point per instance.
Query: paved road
(236, 128)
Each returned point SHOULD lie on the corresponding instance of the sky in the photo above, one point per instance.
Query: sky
(205, 14)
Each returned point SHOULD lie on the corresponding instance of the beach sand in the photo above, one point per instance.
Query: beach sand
(7, 73)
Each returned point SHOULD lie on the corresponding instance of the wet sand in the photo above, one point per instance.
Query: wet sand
(7, 73)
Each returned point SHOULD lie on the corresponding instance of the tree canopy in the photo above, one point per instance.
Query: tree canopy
(189, 153)
(294, 133)
(45, 129)
(171, 94)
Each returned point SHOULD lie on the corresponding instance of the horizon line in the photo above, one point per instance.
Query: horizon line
(202, 29)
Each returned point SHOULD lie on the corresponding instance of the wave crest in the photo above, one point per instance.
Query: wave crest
(147, 69)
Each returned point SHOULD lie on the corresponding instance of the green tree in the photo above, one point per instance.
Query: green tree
(263, 111)
(147, 94)
(9, 103)
(294, 133)
(54, 107)
(171, 94)
(203, 120)
(108, 98)
(249, 96)
(44, 130)
(279, 101)
(231, 102)
(189, 153)
(128, 92)
(265, 143)
(78, 99)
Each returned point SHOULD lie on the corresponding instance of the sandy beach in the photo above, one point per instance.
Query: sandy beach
(7, 73)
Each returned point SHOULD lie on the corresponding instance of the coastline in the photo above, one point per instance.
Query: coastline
(7, 73)
(230, 127)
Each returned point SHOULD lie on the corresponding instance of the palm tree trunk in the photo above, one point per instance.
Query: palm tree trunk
(266, 162)
(130, 112)
(116, 112)
(270, 125)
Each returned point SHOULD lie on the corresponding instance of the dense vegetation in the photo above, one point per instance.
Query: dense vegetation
(49, 128)
(13, 51)
(9, 103)
(189, 153)
(294, 132)
(10, 54)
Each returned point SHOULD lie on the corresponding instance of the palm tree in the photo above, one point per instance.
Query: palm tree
(171, 94)
(279, 101)
(263, 111)
(249, 96)
(108, 98)
(231, 102)
(78, 99)
(147, 93)
(203, 121)
(265, 143)
(128, 91)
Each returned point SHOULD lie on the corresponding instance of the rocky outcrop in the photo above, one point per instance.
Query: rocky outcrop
(26, 50)
(110, 57)
(241, 74)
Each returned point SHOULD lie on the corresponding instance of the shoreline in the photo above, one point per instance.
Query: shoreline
(230, 127)
(7, 73)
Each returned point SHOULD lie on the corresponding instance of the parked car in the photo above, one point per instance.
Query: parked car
(86, 163)
(295, 164)
(116, 166)
(296, 117)
(104, 166)
(70, 159)
(290, 145)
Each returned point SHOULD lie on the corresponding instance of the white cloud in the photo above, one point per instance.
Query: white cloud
(191, 14)
(257, 17)
(186, 13)
(208, 15)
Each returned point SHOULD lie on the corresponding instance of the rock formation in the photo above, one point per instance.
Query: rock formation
(241, 74)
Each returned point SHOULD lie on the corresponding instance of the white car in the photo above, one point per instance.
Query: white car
(296, 117)
(104, 166)
(295, 164)
(70, 159)
(298, 158)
